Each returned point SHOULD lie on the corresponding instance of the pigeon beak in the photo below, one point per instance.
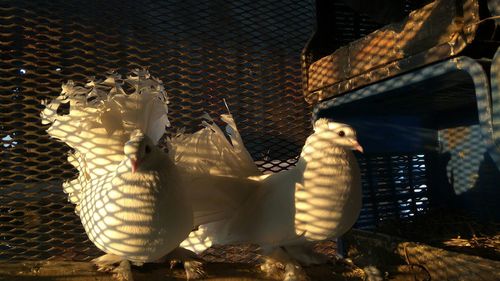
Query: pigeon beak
(134, 163)
(358, 147)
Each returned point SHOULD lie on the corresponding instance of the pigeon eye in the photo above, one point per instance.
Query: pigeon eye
(147, 149)
(341, 133)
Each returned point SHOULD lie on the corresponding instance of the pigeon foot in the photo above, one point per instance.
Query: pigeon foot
(119, 267)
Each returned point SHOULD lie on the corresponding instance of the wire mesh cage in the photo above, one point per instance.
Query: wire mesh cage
(424, 115)
(418, 123)
(426, 109)
(244, 52)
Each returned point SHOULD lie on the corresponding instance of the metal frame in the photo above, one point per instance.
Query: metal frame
(465, 64)
(495, 97)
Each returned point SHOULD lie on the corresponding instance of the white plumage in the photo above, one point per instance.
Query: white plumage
(319, 198)
(101, 118)
(128, 194)
(217, 169)
(328, 195)
(140, 213)
(138, 203)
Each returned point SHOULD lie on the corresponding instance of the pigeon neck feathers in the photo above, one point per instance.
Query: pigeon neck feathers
(142, 155)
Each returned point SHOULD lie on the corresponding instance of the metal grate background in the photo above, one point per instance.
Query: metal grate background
(247, 52)
(394, 188)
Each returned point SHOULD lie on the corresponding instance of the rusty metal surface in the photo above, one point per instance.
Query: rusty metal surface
(387, 252)
(244, 51)
(437, 31)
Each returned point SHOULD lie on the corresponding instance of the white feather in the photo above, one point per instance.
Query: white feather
(100, 120)
(207, 181)
(209, 152)
(319, 198)
(138, 216)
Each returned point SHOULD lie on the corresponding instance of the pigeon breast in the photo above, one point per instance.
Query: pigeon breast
(141, 216)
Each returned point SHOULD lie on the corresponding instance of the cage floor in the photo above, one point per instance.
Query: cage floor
(222, 263)
(450, 229)
(233, 263)
(79, 271)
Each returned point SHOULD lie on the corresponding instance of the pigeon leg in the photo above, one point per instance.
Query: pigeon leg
(107, 262)
(193, 265)
(117, 265)
(271, 267)
(295, 272)
(278, 264)
(194, 269)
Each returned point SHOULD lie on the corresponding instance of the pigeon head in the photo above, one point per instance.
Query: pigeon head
(139, 150)
(338, 134)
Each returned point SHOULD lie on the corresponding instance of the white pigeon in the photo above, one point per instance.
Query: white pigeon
(128, 193)
(140, 210)
(319, 198)
(218, 170)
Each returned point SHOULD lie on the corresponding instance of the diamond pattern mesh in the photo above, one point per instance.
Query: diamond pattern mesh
(394, 188)
(246, 52)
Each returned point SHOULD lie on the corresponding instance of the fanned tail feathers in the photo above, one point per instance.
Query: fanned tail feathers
(208, 151)
(101, 117)
(220, 172)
